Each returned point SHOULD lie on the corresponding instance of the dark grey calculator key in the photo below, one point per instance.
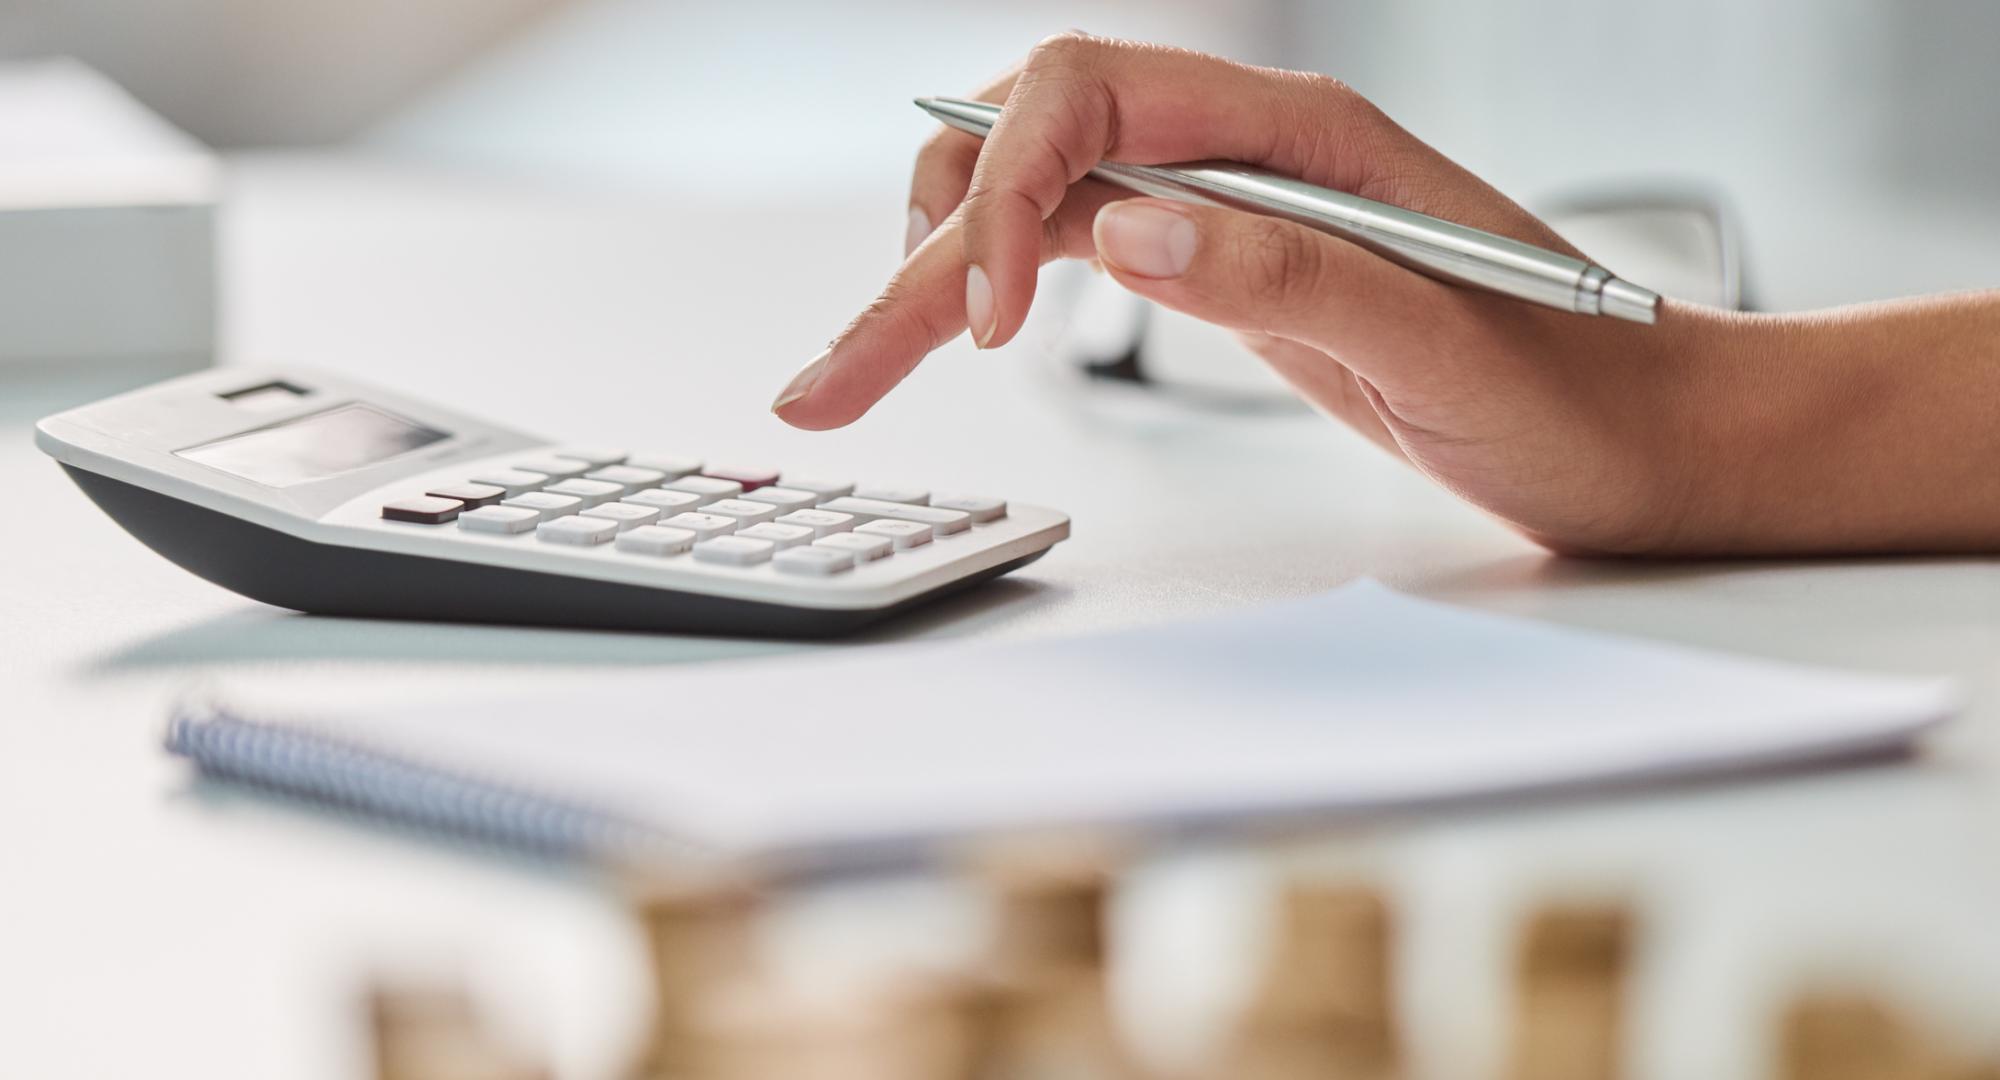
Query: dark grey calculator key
(473, 496)
(422, 510)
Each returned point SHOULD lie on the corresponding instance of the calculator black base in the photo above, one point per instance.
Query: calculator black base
(326, 579)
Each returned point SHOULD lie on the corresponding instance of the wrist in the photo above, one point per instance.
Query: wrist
(1863, 430)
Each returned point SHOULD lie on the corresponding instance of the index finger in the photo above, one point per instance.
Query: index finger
(922, 308)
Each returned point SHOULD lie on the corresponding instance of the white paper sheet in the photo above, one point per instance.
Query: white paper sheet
(1358, 699)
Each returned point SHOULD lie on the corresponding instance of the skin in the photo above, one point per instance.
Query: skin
(1869, 429)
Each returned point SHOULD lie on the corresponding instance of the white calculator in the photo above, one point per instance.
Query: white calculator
(321, 494)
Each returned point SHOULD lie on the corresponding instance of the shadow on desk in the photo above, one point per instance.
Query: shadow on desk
(262, 634)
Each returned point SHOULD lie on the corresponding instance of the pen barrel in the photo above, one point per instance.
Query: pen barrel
(1431, 246)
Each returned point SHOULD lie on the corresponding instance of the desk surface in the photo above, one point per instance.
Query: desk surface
(161, 927)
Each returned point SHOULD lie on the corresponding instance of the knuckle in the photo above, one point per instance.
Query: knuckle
(1066, 49)
(1330, 90)
(898, 315)
(1281, 262)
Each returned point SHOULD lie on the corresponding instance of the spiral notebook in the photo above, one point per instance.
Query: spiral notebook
(1357, 701)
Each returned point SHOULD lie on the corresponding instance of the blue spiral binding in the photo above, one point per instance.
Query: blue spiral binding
(338, 772)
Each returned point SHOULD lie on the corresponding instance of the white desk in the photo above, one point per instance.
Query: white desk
(156, 927)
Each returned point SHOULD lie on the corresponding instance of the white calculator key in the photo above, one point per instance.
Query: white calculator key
(547, 506)
(500, 519)
(813, 560)
(944, 522)
(596, 456)
(555, 468)
(743, 510)
(824, 489)
(668, 503)
(863, 548)
(980, 507)
(706, 488)
(674, 466)
(582, 531)
(703, 526)
(783, 498)
(734, 551)
(591, 492)
(821, 522)
(655, 540)
(630, 477)
(904, 534)
(627, 515)
(783, 536)
(512, 481)
(912, 496)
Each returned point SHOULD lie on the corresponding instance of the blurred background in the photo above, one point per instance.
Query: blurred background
(1856, 139)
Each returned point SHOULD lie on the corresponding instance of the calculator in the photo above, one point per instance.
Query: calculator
(321, 494)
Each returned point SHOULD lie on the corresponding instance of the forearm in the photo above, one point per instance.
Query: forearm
(1873, 429)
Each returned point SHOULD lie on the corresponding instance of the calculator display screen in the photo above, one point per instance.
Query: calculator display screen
(314, 447)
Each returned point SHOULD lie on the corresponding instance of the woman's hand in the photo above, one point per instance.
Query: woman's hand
(1587, 434)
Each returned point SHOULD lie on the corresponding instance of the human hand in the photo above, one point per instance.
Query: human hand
(1586, 434)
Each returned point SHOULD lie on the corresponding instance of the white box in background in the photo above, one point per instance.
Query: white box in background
(107, 226)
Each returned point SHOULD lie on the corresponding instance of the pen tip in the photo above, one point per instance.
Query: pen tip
(925, 103)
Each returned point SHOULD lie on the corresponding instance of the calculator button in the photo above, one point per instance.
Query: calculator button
(674, 467)
(555, 468)
(743, 510)
(655, 540)
(591, 492)
(668, 503)
(512, 481)
(547, 506)
(473, 496)
(813, 560)
(422, 510)
(626, 515)
(784, 536)
(912, 496)
(734, 551)
(576, 530)
(706, 488)
(945, 522)
(904, 534)
(980, 507)
(703, 526)
(751, 479)
(821, 522)
(629, 477)
(783, 498)
(595, 456)
(863, 548)
(505, 520)
(824, 489)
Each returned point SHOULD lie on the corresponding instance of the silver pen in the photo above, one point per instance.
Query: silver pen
(1431, 246)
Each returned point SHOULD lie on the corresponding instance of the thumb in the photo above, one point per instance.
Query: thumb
(1258, 274)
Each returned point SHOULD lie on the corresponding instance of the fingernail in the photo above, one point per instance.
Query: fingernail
(920, 228)
(1145, 239)
(978, 305)
(802, 383)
